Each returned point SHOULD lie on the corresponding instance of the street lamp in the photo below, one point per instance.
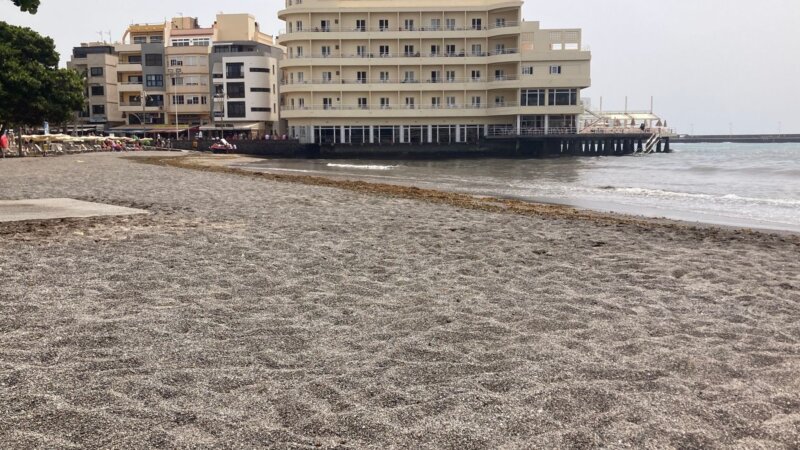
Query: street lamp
(175, 74)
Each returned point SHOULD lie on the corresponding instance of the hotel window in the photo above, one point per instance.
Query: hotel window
(477, 24)
(409, 50)
(436, 50)
(327, 103)
(301, 77)
(156, 39)
(135, 59)
(259, 69)
(196, 100)
(178, 99)
(436, 102)
(96, 71)
(383, 24)
(327, 77)
(201, 42)
(181, 42)
(299, 52)
(500, 22)
(436, 76)
(527, 70)
(563, 97)
(299, 25)
(476, 75)
(301, 103)
(175, 62)
(532, 97)
(361, 77)
(235, 90)
(499, 101)
(436, 24)
(261, 109)
(153, 60)
(98, 109)
(408, 25)
(500, 75)
(362, 103)
(361, 25)
(383, 50)
(255, 89)
(450, 50)
(361, 51)
(555, 70)
(476, 102)
(154, 80)
(385, 103)
(234, 70)
(326, 51)
(450, 76)
(140, 39)
(384, 77)
(237, 110)
(410, 102)
(477, 50)
(500, 49)
(408, 76)
(177, 81)
(98, 91)
(451, 102)
(325, 25)
(450, 24)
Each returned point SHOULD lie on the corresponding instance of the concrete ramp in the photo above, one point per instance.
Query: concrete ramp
(58, 208)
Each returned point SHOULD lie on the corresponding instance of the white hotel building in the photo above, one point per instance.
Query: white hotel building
(379, 71)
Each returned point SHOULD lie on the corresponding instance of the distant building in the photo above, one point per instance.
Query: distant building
(378, 71)
(159, 79)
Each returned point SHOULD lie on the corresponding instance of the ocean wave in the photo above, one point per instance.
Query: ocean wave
(729, 197)
(361, 166)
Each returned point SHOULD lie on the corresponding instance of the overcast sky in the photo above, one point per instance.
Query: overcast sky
(712, 65)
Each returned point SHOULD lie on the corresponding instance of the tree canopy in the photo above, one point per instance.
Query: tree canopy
(32, 87)
(27, 5)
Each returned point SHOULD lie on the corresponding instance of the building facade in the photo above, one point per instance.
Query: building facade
(158, 80)
(374, 71)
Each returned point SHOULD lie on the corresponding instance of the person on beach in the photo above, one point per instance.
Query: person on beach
(3, 144)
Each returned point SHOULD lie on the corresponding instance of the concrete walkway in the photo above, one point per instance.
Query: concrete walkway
(58, 208)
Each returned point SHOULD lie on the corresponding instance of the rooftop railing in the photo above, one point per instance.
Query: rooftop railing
(400, 107)
(442, 80)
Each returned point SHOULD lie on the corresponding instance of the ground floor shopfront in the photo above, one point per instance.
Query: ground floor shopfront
(413, 132)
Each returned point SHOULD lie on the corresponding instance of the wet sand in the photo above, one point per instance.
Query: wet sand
(252, 310)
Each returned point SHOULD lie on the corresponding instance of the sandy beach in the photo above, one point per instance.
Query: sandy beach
(253, 311)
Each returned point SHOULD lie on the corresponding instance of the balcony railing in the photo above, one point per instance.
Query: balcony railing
(443, 80)
(379, 54)
(400, 107)
(339, 29)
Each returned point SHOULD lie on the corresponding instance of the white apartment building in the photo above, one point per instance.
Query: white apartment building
(375, 71)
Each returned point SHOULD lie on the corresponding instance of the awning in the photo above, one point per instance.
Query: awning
(244, 126)
(138, 129)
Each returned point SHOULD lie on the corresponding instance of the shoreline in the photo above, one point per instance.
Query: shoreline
(491, 203)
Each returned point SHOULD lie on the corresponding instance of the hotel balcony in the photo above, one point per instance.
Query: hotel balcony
(130, 87)
(405, 111)
(134, 107)
(441, 84)
(129, 68)
(386, 33)
(460, 57)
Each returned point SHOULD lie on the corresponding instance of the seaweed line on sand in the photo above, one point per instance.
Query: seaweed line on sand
(466, 201)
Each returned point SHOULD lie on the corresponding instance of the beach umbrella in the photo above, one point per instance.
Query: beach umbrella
(658, 124)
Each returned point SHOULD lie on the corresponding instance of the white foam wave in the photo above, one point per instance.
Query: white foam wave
(361, 166)
(728, 197)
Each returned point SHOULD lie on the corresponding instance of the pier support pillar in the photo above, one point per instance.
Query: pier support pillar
(666, 146)
(458, 133)
(343, 135)
(313, 134)
(660, 146)
(402, 134)
(430, 134)
(371, 134)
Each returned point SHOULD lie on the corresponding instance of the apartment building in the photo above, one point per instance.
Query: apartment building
(99, 62)
(159, 80)
(375, 71)
(244, 76)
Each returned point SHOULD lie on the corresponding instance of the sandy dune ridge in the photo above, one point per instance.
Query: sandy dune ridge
(246, 311)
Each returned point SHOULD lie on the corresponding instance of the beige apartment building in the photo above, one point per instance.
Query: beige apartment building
(159, 79)
(379, 71)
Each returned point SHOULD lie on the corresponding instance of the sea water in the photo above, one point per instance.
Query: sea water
(747, 185)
